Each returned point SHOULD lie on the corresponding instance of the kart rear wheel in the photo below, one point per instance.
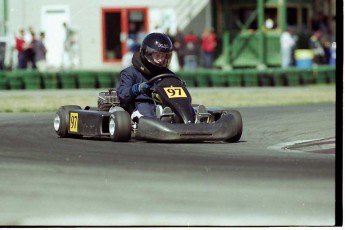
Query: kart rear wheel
(61, 120)
(238, 125)
(120, 126)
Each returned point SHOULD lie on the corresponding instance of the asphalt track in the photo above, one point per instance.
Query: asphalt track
(46, 180)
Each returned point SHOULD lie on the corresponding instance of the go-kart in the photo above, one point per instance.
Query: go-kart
(177, 119)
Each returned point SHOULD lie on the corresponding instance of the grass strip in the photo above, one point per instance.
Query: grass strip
(51, 100)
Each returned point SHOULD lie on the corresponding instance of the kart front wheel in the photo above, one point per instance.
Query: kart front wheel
(120, 126)
(238, 125)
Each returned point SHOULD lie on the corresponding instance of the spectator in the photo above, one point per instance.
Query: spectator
(174, 64)
(171, 37)
(40, 52)
(30, 52)
(141, 35)
(178, 46)
(208, 47)
(326, 45)
(316, 46)
(29, 37)
(287, 46)
(333, 56)
(68, 35)
(269, 23)
(70, 56)
(133, 36)
(21, 46)
(190, 43)
(127, 58)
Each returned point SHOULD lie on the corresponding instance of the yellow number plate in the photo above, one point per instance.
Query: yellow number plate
(175, 92)
(73, 122)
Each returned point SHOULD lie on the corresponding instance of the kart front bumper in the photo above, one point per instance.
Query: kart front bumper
(152, 129)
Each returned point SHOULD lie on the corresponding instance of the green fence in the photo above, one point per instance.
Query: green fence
(257, 78)
(74, 79)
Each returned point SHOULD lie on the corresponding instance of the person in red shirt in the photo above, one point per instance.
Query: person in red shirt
(208, 47)
(190, 43)
(21, 46)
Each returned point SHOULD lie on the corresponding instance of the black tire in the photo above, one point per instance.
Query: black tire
(120, 126)
(238, 125)
(61, 121)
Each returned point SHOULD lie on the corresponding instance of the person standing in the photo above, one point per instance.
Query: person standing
(178, 46)
(174, 64)
(30, 52)
(126, 59)
(40, 52)
(208, 47)
(69, 56)
(190, 43)
(317, 48)
(141, 35)
(287, 46)
(21, 46)
(30, 40)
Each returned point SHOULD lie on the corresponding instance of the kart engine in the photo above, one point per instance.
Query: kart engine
(108, 99)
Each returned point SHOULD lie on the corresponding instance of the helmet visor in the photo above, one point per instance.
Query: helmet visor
(160, 59)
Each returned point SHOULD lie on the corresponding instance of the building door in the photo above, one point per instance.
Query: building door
(52, 19)
(118, 26)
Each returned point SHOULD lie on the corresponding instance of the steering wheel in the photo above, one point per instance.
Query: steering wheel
(164, 75)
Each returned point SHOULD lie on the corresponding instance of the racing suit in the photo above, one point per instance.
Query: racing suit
(137, 73)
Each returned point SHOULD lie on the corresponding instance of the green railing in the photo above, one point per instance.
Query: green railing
(79, 79)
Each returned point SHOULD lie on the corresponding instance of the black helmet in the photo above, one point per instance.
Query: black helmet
(157, 48)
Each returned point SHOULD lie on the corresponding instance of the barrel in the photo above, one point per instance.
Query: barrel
(304, 58)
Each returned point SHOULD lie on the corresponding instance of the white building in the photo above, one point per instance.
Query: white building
(102, 26)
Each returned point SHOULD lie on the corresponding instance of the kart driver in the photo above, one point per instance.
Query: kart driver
(152, 59)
